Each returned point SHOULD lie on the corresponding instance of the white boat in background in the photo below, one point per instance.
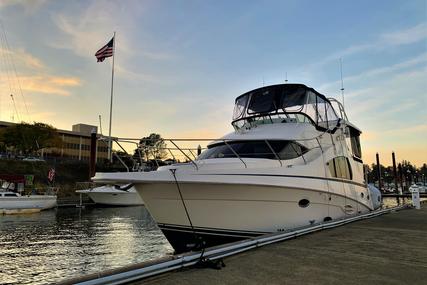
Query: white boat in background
(293, 160)
(113, 196)
(15, 203)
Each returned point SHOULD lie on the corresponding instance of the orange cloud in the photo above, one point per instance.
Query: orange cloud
(46, 84)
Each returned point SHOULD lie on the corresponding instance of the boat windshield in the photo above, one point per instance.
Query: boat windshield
(284, 103)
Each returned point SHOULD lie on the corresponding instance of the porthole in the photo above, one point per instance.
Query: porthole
(303, 203)
(327, 219)
(363, 195)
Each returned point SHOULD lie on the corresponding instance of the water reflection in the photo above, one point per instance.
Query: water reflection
(53, 245)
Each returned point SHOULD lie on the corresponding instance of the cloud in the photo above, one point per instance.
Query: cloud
(406, 36)
(46, 84)
(30, 6)
(22, 59)
(369, 74)
(90, 29)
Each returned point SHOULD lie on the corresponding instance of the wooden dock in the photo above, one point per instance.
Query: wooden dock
(390, 249)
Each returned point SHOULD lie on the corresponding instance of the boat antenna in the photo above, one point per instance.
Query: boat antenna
(342, 83)
(263, 82)
(286, 77)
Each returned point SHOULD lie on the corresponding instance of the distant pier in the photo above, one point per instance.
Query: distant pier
(389, 249)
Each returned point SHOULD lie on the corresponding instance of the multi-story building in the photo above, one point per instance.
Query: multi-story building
(75, 143)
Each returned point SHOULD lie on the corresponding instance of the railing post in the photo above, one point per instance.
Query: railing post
(235, 153)
(275, 154)
(193, 162)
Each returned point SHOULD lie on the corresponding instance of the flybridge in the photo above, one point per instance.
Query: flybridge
(284, 103)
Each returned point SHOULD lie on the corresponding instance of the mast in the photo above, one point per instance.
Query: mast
(110, 150)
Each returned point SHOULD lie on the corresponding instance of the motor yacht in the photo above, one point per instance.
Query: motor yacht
(111, 195)
(293, 160)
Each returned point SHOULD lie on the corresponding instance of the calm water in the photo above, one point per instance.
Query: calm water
(57, 244)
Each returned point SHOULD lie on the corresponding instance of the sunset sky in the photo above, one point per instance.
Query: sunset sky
(180, 64)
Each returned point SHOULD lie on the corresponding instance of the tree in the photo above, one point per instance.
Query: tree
(152, 146)
(30, 138)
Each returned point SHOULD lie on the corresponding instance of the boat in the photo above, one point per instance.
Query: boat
(13, 202)
(111, 195)
(293, 160)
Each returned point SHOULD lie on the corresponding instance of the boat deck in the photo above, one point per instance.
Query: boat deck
(390, 249)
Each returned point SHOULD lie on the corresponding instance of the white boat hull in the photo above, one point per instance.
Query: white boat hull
(26, 204)
(228, 212)
(108, 195)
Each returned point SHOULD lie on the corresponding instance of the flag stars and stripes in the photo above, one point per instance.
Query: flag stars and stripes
(105, 51)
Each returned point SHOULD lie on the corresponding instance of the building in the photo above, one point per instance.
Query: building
(76, 143)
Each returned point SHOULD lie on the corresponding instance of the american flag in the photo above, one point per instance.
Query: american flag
(51, 174)
(105, 51)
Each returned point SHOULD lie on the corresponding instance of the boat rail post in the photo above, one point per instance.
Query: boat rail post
(275, 154)
(235, 153)
(192, 161)
(320, 146)
(195, 157)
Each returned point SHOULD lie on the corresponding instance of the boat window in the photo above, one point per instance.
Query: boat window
(240, 106)
(254, 149)
(294, 100)
(10, 195)
(263, 101)
(340, 167)
(355, 142)
(290, 100)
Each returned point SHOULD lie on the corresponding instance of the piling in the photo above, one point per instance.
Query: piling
(379, 171)
(92, 160)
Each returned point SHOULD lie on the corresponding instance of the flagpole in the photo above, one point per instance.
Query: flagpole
(110, 150)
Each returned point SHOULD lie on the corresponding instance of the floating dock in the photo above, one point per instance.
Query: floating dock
(388, 249)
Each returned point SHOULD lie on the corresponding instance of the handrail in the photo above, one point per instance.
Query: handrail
(189, 153)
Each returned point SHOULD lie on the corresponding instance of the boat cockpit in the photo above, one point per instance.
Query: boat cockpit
(285, 103)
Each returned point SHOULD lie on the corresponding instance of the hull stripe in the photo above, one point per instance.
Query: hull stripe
(290, 176)
(210, 231)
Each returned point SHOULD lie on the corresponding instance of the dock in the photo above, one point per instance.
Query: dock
(387, 249)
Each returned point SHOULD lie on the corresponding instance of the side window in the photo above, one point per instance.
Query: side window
(255, 149)
(340, 167)
(354, 134)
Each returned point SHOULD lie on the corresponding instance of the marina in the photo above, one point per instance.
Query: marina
(224, 142)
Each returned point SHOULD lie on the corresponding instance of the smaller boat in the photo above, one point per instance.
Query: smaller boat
(13, 202)
(113, 195)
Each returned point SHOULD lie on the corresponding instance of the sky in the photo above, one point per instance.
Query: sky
(179, 65)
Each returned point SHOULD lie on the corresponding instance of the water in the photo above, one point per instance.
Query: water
(54, 245)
